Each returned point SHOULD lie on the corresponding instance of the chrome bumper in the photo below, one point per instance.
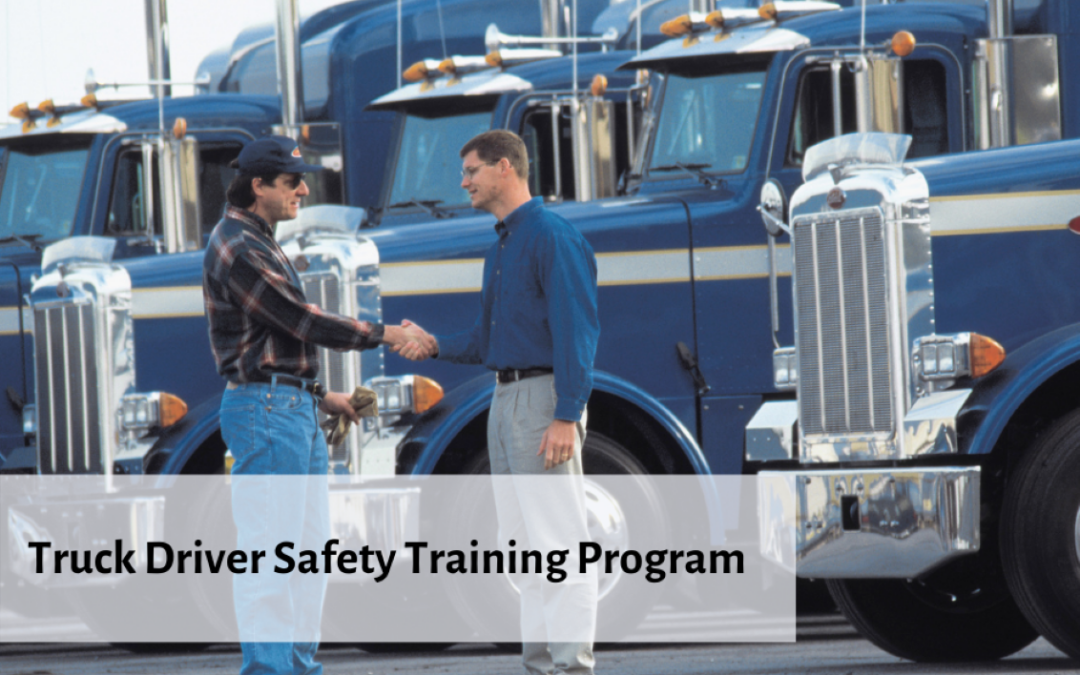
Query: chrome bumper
(382, 518)
(891, 523)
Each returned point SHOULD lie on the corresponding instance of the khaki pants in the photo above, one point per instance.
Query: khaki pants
(543, 510)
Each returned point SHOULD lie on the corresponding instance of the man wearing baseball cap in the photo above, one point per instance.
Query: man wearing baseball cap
(264, 334)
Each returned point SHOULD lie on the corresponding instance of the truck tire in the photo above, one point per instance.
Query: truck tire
(1040, 534)
(201, 602)
(620, 609)
(129, 609)
(900, 618)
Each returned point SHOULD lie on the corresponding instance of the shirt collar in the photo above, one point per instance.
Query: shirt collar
(249, 219)
(512, 222)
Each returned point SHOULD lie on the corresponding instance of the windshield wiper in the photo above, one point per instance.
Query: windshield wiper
(694, 170)
(428, 205)
(26, 240)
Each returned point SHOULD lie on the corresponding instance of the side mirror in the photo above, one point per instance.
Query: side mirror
(773, 207)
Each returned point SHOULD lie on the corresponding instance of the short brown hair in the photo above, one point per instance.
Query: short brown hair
(240, 192)
(491, 146)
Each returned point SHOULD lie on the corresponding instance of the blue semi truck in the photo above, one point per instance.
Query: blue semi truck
(84, 172)
(686, 359)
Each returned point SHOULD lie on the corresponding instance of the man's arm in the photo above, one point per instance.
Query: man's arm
(268, 295)
(568, 273)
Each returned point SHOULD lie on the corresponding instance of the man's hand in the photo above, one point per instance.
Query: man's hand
(416, 344)
(335, 403)
(558, 443)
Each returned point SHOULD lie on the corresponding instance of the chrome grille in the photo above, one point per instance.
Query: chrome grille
(335, 367)
(68, 406)
(843, 341)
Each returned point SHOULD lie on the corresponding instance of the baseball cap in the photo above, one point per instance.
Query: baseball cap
(273, 154)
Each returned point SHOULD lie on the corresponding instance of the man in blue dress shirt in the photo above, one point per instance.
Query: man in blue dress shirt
(538, 330)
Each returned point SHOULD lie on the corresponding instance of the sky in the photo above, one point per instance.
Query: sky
(46, 46)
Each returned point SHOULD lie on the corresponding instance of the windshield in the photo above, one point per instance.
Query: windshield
(40, 190)
(428, 166)
(707, 122)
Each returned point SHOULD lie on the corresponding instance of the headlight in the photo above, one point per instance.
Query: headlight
(936, 358)
(785, 370)
(148, 410)
(405, 393)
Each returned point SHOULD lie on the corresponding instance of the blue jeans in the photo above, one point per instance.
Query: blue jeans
(272, 432)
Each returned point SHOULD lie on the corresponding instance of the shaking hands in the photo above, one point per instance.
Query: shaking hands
(410, 341)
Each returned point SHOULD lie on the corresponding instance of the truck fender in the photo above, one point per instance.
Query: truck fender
(436, 429)
(179, 443)
(1023, 372)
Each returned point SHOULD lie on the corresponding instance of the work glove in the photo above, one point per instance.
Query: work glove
(364, 402)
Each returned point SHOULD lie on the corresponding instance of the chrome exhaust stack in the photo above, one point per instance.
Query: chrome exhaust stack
(289, 69)
(1012, 110)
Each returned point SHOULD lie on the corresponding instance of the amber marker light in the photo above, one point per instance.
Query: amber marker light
(89, 101)
(447, 66)
(768, 12)
(173, 409)
(903, 43)
(21, 111)
(680, 25)
(49, 108)
(715, 19)
(599, 85)
(179, 128)
(493, 59)
(986, 354)
(416, 72)
(426, 393)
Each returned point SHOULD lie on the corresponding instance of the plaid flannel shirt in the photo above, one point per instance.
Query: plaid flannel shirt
(260, 322)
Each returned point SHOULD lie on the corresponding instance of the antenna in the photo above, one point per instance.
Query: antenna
(399, 44)
(862, 29)
(442, 30)
(573, 34)
(638, 22)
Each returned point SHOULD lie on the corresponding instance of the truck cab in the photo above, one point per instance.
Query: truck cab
(435, 114)
(98, 173)
(934, 363)
(98, 169)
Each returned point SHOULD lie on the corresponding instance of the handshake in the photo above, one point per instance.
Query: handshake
(410, 341)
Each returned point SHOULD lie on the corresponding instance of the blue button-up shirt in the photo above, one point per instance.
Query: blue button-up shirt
(537, 306)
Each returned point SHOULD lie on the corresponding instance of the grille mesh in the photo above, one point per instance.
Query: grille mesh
(843, 340)
(324, 291)
(69, 409)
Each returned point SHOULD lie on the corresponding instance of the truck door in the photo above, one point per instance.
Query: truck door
(134, 215)
(707, 132)
(14, 359)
